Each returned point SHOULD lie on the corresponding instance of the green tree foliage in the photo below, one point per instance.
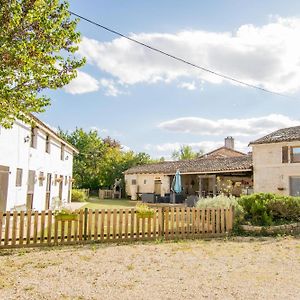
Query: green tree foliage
(100, 161)
(185, 152)
(37, 45)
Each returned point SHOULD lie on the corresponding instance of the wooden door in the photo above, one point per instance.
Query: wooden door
(157, 187)
(4, 173)
(30, 189)
(48, 191)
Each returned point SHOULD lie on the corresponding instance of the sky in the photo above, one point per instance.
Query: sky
(153, 104)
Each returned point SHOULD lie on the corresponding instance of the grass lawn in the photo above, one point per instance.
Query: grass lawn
(96, 203)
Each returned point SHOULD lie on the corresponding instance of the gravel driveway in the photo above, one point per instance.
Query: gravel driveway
(240, 268)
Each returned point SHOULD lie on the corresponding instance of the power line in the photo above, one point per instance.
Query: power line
(178, 58)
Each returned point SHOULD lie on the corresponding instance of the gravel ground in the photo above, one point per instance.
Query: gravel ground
(240, 268)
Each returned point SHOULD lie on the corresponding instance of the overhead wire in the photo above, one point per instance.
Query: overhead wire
(224, 76)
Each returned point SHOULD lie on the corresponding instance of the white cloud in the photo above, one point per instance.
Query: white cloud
(110, 87)
(223, 127)
(190, 86)
(125, 148)
(83, 83)
(268, 56)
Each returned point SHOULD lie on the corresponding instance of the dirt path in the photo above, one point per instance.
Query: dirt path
(218, 269)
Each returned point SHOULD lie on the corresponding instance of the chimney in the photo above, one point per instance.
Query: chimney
(229, 142)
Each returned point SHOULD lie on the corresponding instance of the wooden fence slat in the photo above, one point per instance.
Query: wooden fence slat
(69, 232)
(96, 224)
(222, 220)
(182, 222)
(132, 213)
(14, 228)
(90, 221)
(21, 227)
(193, 229)
(120, 230)
(187, 222)
(217, 220)
(159, 222)
(7, 224)
(1, 226)
(149, 221)
(102, 213)
(166, 218)
(49, 228)
(198, 225)
(177, 221)
(172, 223)
(203, 221)
(62, 231)
(213, 220)
(115, 215)
(76, 222)
(35, 226)
(108, 225)
(126, 223)
(55, 231)
(42, 231)
(154, 224)
(80, 225)
(143, 227)
(28, 233)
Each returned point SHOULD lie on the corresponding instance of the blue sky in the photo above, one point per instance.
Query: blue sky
(151, 103)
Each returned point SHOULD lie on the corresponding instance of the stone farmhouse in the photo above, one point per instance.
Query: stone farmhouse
(35, 166)
(272, 167)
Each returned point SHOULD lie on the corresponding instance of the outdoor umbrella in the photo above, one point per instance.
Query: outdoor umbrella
(176, 184)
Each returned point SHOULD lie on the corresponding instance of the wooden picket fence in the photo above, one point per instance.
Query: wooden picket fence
(33, 228)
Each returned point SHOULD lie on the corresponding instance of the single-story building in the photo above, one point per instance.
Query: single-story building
(221, 169)
(273, 166)
(35, 166)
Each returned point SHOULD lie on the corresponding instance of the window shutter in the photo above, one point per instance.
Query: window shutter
(285, 154)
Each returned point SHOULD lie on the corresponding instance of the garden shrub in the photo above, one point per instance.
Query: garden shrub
(144, 211)
(266, 209)
(223, 201)
(78, 195)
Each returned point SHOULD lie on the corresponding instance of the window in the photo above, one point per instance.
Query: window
(285, 154)
(62, 152)
(295, 154)
(19, 177)
(41, 178)
(47, 143)
(133, 181)
(33, 137)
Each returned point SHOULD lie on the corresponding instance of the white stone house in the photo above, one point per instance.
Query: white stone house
(276, 162)
(35, 166)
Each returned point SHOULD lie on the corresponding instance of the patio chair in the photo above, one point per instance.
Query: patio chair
(191, 201)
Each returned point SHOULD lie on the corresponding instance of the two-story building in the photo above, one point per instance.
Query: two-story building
(35, 166)
(276, 162)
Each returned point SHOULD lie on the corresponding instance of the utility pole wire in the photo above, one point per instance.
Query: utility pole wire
(180, 59)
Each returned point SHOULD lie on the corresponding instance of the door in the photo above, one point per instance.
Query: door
(48, 191)
(157, 187)
(295, 186)
(30, 189)
(4, 173)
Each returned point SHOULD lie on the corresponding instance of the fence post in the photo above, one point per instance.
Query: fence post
(85, 224)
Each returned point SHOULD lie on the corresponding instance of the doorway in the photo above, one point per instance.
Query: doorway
(157, 187)
(4, 173)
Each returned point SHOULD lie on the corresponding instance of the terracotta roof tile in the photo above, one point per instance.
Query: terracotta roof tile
(282, 135)
(200, 165)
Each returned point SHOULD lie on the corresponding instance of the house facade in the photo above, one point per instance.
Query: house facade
(223, 168)
(276, 162)
(35, 166)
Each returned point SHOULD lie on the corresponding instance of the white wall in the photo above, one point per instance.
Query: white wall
(270, 174)
(16, 153)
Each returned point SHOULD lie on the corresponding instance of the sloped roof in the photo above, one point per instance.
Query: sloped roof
(282, 135)
(222, 152)
(199, 165)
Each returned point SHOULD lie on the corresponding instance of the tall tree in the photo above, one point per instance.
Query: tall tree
(100, 161)
(38, 41)
(185, 152)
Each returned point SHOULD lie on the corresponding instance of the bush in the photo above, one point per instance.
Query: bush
(223, 201)
(144, 211)
(78, 195)
(266, 209)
